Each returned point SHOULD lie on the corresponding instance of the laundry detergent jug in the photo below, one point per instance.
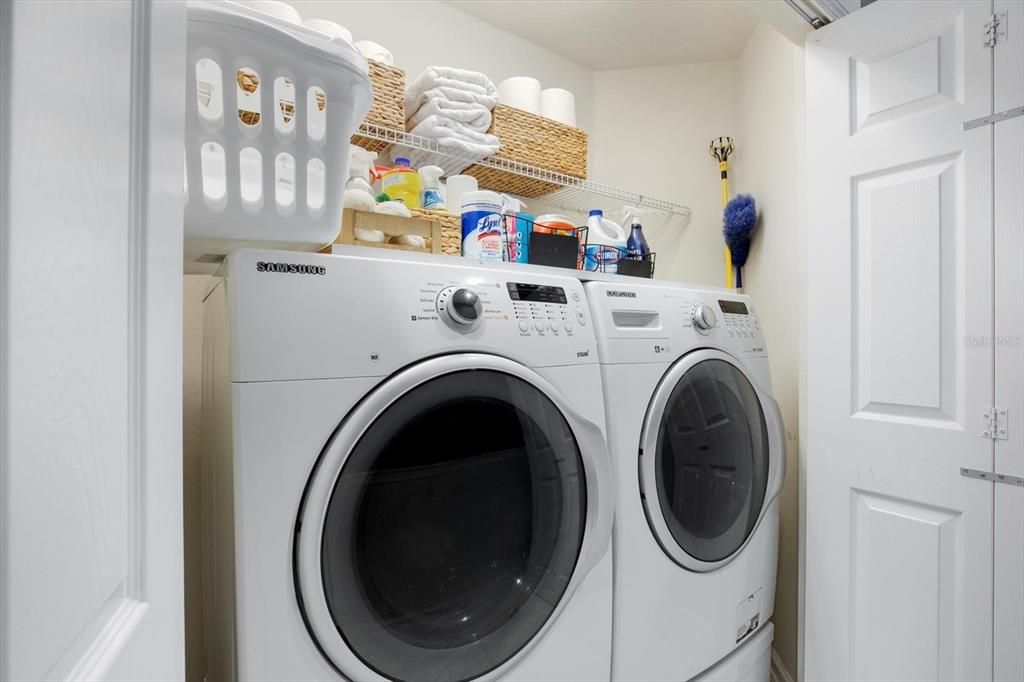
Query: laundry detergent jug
(606, 244)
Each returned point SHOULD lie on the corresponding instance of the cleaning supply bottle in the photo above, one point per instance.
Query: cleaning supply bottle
(430, 179)
(402, 183)
(358, 192)
(606, 243)
(636, 245)
(517, 229)
(482, 225)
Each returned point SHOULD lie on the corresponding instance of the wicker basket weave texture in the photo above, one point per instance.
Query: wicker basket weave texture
(535, 140)
(451, 229)
(388, 108)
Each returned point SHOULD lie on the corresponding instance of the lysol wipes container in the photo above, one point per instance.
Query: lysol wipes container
(482, 225)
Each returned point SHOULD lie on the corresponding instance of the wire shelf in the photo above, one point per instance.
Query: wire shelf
(573, 193)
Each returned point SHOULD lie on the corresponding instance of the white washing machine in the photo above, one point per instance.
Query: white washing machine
(698, 454)
(406, 473)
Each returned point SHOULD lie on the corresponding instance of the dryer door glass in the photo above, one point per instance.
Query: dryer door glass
(712, 460)
(454, 527)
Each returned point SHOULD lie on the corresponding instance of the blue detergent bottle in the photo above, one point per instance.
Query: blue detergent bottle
(636, 245)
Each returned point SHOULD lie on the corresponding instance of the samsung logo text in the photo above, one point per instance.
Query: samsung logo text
(291, 268)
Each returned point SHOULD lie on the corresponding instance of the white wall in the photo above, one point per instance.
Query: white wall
(651, 132)
(768, 164)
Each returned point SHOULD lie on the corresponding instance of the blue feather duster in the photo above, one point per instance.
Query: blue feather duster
(738, 225)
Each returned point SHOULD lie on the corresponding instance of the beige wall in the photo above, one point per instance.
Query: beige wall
(649, 131)
(768, 164)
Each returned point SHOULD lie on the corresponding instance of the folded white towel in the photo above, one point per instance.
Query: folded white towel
(414, 99)
(437, 127)
(476, 116)
(449, 76)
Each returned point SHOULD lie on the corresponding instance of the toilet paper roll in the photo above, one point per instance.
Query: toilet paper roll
(559, 105)
(375, 236)
(376, 52)
(410, 240)
(330, 28)
(520, 92)
(459, 185)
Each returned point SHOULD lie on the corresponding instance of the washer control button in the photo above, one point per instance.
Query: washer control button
(554, 326)
(576, 296)
(580, 316)
(524, 326)
(568, 327)
(539, 326)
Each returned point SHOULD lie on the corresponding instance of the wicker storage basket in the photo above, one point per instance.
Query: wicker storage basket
(388, 103)
(535, 140)
(451, 229)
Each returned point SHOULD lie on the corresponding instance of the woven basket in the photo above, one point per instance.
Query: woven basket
(451, 229)
(388, 103)
(538, 141)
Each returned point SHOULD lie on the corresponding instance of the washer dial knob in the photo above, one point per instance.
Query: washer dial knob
(704, 317)
(460, 308)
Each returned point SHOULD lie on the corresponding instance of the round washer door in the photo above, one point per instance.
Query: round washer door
(711, 459)
(448, 521)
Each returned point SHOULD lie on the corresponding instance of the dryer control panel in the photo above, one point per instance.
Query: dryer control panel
(648, 322)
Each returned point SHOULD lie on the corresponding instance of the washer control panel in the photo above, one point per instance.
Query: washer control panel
(541, 310)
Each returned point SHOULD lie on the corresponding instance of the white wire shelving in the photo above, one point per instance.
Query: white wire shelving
(571, 193)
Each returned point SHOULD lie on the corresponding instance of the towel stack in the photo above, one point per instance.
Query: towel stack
(452, 107)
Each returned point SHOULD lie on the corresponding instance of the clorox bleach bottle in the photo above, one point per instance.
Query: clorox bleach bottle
(606, 243)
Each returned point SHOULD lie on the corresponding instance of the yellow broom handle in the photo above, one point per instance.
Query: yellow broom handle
(724, 167)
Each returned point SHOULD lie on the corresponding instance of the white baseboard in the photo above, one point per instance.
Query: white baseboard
(779, 672)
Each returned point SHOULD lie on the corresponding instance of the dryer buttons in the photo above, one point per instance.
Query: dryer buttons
(581, 317)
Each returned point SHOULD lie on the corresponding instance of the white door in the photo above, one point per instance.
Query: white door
(898, 545)
(90, 331)
(1009, 344)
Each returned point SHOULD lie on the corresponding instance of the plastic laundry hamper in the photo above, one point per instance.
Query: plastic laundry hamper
(271, 108)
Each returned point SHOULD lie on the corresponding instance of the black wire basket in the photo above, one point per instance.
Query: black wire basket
(526, 241)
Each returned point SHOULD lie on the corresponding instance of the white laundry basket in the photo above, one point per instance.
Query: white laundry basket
(271, 108)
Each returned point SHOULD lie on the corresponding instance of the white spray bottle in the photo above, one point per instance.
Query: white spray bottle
(430, 179)
(358, 192)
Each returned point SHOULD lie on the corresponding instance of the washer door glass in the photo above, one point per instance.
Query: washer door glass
(712, 460)
(454, 527)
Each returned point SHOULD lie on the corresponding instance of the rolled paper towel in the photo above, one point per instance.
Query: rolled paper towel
(520, 92)
(376, 236)
(330, 28)
(276, 8)
(410, 240)
(359, 199)
(376, 52)
(558, 105)
(458, 185)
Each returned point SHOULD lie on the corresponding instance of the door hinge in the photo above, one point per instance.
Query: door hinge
(995, 29)
(993, 423)
(993, 118)
(991, 476)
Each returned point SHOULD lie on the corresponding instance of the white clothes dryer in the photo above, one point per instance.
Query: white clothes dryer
(406, 473)
(698, 454)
